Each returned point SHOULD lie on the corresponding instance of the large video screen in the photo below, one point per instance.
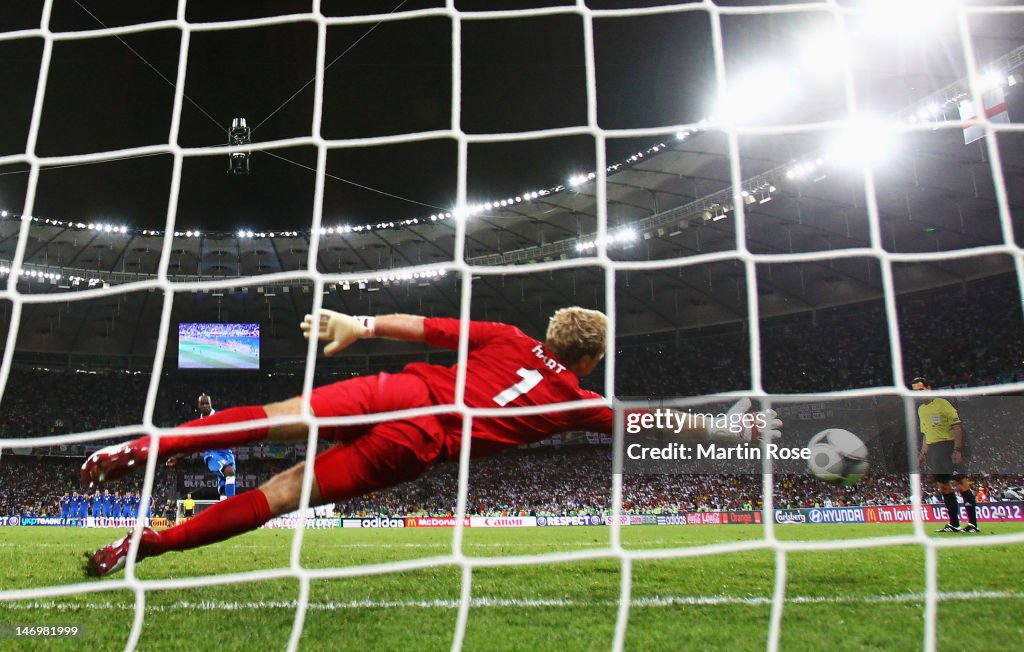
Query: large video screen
(218, 346)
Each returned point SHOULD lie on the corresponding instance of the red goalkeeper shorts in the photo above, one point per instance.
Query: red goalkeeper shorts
(375, 455)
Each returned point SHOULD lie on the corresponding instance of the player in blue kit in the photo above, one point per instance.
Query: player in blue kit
(97, 507)
(72, 506)
(131, 505)
(116, 506)
(65, 509)
(221, 461)
(106, 503)
(79, 508)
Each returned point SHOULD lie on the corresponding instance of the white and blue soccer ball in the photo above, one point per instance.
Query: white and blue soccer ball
(837, 456)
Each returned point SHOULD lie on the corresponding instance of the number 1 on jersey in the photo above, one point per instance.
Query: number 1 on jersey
(530, 379)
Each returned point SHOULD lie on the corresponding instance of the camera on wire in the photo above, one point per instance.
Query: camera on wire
(239, 134)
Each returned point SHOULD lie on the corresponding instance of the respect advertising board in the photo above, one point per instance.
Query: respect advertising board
(566, 521)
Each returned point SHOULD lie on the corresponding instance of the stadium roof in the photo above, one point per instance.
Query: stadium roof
(667, 197)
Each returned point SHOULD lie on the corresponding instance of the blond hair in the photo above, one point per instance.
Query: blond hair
(575, 332)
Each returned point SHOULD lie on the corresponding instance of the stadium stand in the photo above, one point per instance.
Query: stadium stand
(828, 349)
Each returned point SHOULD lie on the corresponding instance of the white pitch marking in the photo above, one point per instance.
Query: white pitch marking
(485, 602)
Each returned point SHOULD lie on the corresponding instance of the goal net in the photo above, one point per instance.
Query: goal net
(729, 204)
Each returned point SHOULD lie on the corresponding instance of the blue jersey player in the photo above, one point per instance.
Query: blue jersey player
(77, 507)
(116, 505)
(106, 504)
(65, 508)
(131, 505)
(221, 462)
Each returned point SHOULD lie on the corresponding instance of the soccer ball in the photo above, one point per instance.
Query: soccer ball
(837, 456)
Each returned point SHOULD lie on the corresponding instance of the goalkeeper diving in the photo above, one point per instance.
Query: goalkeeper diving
(505, 368)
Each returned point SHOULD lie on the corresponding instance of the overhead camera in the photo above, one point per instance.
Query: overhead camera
(239, 134)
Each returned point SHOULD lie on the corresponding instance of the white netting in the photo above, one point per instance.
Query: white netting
(749, 260)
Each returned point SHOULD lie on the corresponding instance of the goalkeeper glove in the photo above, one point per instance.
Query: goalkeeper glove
(743, 427)
(338, 328)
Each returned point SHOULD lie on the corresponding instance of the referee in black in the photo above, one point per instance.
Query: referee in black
(943, 451)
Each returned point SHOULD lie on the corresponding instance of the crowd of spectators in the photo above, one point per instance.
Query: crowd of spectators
(34, 485)
(844, 347)
(577, 480)
(568, 480)
(978, 340)
(808, 352)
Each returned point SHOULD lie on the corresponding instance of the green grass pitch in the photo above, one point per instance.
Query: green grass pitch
(843, 599)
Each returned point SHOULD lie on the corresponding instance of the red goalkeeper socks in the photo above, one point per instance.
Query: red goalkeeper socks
(222, 521)
(181, 444)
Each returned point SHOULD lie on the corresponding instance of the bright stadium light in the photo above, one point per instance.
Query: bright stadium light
(755, 95)
(866, 143)
(827, 52)
(991, 79)
(906, 19)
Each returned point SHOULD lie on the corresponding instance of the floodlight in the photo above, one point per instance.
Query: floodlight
(827, 52)
(866, 143)
(239, 134)
(906, 19)
(755, 95)
(991, 79)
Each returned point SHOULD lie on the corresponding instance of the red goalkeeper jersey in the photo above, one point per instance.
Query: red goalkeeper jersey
(506, 368)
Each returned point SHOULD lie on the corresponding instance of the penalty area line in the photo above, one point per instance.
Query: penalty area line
(486, 602)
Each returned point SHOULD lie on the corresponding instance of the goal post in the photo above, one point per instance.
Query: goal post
(200, 505)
